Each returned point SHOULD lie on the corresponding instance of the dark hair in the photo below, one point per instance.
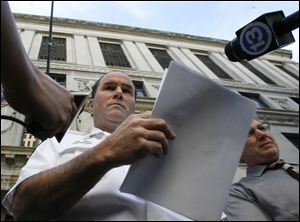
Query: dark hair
(95, 86)
(97, 83)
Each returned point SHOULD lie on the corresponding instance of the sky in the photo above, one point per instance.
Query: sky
(213, 19)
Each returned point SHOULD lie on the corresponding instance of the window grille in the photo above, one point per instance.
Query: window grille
(258, 73)
(213, 67)
(114, 55)
(58, 49)
(162, 57)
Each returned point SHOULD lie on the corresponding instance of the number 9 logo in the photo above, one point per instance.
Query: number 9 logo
(255, 38)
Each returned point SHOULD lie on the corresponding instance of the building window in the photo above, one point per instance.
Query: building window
(113, 55)
(293, 138)
(288, 72)
(139, 89)
(295, 99)
(213, 67)
(255, 97)
(59, 78)
(162, 56)
(258, 73)
(58, 49)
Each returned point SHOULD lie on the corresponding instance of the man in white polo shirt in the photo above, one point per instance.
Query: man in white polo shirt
(79, 178)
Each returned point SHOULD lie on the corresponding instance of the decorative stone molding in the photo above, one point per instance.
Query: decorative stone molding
(283, 103)
(256, 87)
(84, 85)
(279, 117)
(10, 159)
(16, 150)
(155, 87)
(82, 71)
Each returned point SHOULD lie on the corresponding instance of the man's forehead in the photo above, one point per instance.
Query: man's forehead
(116, 77)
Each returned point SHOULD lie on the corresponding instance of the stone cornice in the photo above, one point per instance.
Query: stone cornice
(76, 23)
(259, 88)
(276, 117)
(16, 150)
(79, 70)
(14, 154)
(67, 68)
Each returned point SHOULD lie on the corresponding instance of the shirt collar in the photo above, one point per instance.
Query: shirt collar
(256, 171)
(277, 164)
(97, 133)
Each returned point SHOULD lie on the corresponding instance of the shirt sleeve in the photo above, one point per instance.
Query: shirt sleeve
(44, 157)
(241, 206)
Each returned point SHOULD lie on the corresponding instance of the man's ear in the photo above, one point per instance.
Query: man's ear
(90, 105)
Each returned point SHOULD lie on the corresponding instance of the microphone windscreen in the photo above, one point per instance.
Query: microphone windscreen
(229, 53)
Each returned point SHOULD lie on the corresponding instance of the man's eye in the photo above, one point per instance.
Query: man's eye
(127, 91)
(262, 128)
(108, 88)
(251, 132)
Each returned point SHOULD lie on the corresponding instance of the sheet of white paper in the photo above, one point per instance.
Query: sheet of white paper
(211, 125)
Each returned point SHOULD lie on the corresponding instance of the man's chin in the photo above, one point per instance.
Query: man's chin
(117, 117)
(273, 156)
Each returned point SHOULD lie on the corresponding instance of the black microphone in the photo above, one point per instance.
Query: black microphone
(268, 32)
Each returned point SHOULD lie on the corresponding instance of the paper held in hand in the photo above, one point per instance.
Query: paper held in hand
(211, 125)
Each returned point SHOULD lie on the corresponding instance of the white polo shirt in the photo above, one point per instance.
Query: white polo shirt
(104, 201)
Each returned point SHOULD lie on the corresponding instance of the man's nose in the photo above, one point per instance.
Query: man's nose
(260, 134)
(118, 93)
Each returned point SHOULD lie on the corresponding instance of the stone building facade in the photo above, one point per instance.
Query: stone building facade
(83, 51)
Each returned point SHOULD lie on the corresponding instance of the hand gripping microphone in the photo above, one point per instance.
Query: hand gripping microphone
(268, 32)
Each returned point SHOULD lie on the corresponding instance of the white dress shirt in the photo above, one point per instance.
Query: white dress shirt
(104, 201)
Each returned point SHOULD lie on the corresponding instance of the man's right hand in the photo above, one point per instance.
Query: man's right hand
(136, 137)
